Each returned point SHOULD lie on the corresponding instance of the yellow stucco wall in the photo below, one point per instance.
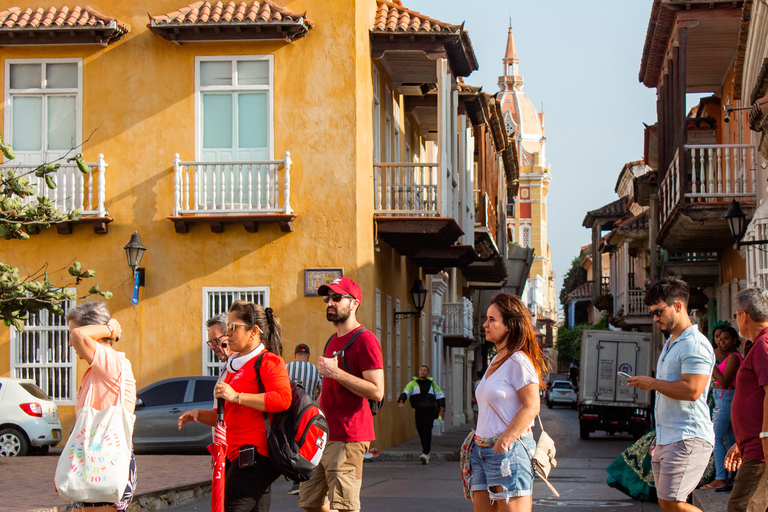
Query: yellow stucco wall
(139, 103)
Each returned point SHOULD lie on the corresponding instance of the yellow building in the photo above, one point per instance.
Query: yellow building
(258, 150)
(528, 226)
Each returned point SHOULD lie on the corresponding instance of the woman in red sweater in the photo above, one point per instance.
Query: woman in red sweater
(251, 330)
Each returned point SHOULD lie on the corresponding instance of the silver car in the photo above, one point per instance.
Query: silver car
(158, 407)
(562, 393)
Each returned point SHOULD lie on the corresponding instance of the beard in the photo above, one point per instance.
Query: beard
(337, 315)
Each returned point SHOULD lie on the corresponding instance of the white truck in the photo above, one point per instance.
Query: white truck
(606, 402)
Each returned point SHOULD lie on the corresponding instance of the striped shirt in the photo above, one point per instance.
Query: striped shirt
(306, 373)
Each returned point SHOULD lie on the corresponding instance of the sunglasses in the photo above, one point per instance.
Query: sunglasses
(232, 326)
(336, 297)
(657, 313)
(215, 341)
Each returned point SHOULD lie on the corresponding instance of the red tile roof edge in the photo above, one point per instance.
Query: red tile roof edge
(406, 20)
(230, 12)
(13, 18)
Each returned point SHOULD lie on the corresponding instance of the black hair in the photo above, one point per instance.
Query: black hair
(733, 333)
(253, 314)
(667, 290)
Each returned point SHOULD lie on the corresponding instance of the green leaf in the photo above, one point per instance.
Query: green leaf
(7, 151)
(81, 165)
(106, 295)
(94, 289)
(50, 183)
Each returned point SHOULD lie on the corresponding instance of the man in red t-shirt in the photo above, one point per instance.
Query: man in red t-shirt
(749, 411)
(344, 400)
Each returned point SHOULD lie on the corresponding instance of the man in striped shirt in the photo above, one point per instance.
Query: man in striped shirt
(301, 370)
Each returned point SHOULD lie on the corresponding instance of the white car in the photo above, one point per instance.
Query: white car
(29, 419)
(562, 393)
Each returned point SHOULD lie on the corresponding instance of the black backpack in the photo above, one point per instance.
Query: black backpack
(374, 405)
(298, 436)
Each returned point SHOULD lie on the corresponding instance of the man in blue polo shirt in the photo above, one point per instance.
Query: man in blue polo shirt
(684, 432)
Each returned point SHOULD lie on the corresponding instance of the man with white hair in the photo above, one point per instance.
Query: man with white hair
(749, 411)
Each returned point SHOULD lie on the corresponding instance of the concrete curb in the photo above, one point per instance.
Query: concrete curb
(710, 501)
(168, 498)
(397, 456)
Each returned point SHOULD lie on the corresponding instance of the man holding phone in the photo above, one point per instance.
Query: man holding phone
(684, 431)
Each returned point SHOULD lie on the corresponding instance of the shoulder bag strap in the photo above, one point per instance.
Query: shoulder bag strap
(257, 369)
(343, 351)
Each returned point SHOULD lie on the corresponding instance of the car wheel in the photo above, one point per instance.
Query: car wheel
(13, 443)
(583, 432)
(573, 405)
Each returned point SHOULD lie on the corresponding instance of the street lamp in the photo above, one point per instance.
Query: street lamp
(419, 298)
(737, 224)
(134, 251)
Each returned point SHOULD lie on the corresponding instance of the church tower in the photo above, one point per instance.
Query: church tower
(527, 225)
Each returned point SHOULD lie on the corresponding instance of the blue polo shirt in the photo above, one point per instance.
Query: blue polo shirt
(677, 420)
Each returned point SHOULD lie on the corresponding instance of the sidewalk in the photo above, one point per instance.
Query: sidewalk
(710, 501)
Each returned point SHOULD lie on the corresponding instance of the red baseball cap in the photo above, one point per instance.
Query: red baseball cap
(343, 285)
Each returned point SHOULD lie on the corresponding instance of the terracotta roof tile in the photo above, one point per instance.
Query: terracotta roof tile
(393, 17)
(52, 18)
(231, 12)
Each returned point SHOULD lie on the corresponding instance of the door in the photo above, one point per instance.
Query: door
(158, 416)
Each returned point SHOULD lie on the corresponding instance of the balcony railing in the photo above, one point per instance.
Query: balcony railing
(73, 189)
(406, 189)
(631, 302)
(241, 187)
(458, 319)
(692, 257)
(708, 173)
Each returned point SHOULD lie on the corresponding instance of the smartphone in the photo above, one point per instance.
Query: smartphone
(625, 375)
(246, 458)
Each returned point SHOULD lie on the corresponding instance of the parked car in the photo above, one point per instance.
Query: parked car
(29, 419)
(562, 392)
(158, 407)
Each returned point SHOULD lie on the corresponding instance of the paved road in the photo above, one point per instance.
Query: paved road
(579, 477)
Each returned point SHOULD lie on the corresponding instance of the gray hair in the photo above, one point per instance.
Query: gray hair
(754, 302)
(89, 313)
(220, 320)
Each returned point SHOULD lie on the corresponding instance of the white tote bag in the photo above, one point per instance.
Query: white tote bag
(94, 465)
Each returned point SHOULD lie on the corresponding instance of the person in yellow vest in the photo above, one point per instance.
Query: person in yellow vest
(425, 395)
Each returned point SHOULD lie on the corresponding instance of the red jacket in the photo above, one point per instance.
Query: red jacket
(245, 425)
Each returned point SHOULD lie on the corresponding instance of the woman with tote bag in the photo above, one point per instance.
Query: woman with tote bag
(104, 417)
(501, 478)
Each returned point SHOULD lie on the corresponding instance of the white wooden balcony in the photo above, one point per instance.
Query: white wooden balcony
(631, 302)
(74, 190)
(457, 328)
(699, 184)
(406, 189)
(239, 187)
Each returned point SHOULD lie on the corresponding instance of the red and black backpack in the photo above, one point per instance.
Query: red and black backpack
(297, 436)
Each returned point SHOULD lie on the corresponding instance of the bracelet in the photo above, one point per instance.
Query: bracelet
(111, 331)
(238, 397)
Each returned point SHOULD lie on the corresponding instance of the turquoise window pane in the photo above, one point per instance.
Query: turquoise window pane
(252, 123)
(252, 72)
(216, 73)
(217, 121)
(28, 123)
(59, 76)
(61, 122)
(26, 76)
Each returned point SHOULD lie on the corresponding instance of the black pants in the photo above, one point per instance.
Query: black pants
(424, 419)
(248, 489)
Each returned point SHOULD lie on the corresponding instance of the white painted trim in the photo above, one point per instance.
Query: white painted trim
(269, 88)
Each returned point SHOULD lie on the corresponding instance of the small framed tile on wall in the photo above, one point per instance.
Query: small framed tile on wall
(314, 278)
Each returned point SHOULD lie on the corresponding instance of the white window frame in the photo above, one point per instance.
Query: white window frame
(8, 103)
(388, 124)
(199, 90)
(376, 116)
(210, 367)
(396, 120)
(17, 369)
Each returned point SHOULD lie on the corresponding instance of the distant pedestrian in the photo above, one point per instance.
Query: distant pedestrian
(344, 400)
(501, 475)
(301, 370)
(684, 432)
(425, 396)
(749, 414)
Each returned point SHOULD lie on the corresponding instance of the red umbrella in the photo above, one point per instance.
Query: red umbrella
(219, 451)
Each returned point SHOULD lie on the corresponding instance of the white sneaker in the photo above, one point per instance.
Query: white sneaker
(424, 458)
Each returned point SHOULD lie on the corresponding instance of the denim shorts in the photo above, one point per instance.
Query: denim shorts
(511, 470)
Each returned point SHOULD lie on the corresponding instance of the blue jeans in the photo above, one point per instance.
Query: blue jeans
(723, 432)
(511, 470)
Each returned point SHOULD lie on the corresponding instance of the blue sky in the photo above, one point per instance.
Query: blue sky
(581, 59)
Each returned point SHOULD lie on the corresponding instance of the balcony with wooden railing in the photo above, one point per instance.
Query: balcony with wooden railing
(696, 191)
(74, 191)
(457, 328)
(219, 193)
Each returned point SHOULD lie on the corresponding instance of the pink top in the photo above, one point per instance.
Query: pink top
(721, 369)
(104, 375)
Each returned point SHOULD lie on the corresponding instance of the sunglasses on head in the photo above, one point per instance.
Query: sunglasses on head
(336, 297)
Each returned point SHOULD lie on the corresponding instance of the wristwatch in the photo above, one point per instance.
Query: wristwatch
(763, 435)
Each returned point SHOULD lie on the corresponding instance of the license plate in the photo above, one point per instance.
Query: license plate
(563, 393)
(55, 434)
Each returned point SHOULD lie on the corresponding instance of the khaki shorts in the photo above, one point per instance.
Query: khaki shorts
(338, 478)
(678, 467)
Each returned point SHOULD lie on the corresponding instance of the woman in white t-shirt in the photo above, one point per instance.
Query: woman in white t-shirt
(508, 401)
